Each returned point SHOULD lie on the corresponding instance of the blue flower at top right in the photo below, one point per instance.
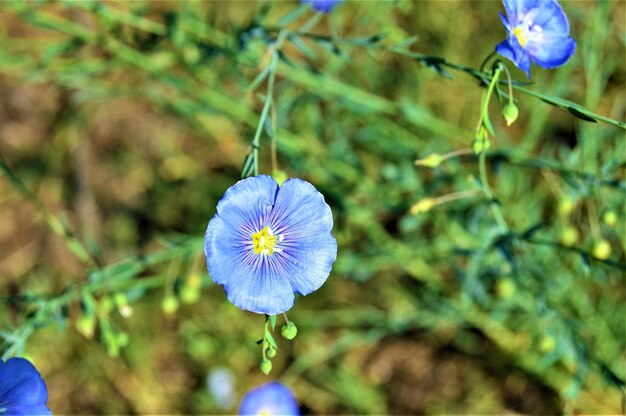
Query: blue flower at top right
(537, 31)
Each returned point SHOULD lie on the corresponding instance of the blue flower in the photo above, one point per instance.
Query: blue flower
(324, 6)
(22, 390)
(265, 243)
(271, 398)
(538, 31)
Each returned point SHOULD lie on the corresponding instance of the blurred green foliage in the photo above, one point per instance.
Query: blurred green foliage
(123, 123)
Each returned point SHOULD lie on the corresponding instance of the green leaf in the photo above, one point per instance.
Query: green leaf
(270, 339)
(581, 115)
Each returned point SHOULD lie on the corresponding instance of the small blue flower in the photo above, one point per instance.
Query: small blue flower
(324, 6)
(269, 399)
(22, 390)
(538, 31)
(265, 243)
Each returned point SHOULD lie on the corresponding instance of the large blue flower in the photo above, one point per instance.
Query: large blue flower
(269, 399)
(22, 390)
(324, 6)
(538, 31)
(265, 243)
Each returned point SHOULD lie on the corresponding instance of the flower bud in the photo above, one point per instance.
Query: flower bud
(279, 176)
(505, 288)
(602, 249)
(423, 205)
(609, 218)
(169, 304)
(480, 145)
(189, 295)
(547, 343)
(271, 352)
(569, 236)
(565, 206)
(510, 113)
(86, 324)
(266, 366)
(289, 330)
(430, 161)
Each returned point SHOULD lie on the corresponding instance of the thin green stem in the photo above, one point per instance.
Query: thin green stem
(484, 120)
(495, 207)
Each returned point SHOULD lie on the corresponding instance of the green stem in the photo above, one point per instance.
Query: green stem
(495, 208)
(484, 119)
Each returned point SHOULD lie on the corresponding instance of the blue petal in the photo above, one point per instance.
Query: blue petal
(505, 22)
(22, 390)
(271, 398)
(40, 410)
(511, 49)
(324, 6)
(309, 248)
(516, 9)
(552, 51)
(550, 17)
(257, 286)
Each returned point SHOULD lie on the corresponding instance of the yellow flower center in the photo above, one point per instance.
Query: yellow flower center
(265, 411)
(265, 241)
(520, 34)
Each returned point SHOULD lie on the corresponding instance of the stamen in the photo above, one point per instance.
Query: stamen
(265, 241)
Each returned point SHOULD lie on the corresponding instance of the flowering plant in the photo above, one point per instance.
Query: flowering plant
(271, 398)
(324, 6)
(265, 243)
(537, 31)
(22, 390)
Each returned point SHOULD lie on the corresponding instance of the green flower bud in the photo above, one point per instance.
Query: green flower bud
(547, 343)
(566, 206)
(569, 236)
(289, 330)
(271, 352)
(609, 218)
(279, 176)
(510, 113)
(602, 249)
(430, 161)
(505, 288)
(480, 145)
(423, 205)
(86, 324)
(190, 292)
(266, 366)
(169, 304)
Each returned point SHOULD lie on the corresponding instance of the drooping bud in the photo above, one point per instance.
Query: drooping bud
(289, 330)
(266, 366)
(430, 161)
(505, 288)
(169, 304)
(609, 218)
(569, 236)
(423, 205)
(510, 113)
(602, 249)
(271, 352)
(86, 324)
